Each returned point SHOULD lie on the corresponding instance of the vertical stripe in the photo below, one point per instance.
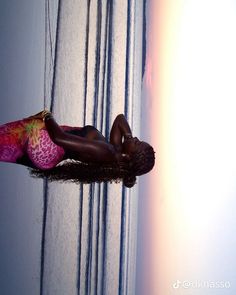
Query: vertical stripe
(128, 200)
(104, 221)
(56, 56)
(97, 62)
(43, 238)
(89, 241)
(80, 211)
(122, 243)
(45, 53)
(97, 238)
(48, 34)
(127, 70)
(86, 60)
(109, 69)
(49, 31)
(104, 65)
(123, 237)
(107, 126)
(45, 181)
(144, 37)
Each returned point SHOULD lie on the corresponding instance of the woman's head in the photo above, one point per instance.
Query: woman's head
(141, 154)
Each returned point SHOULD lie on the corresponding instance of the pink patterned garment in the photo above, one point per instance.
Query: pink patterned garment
(44, 154)
(29, 136)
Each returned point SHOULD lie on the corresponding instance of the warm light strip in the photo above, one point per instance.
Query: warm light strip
(191, 70)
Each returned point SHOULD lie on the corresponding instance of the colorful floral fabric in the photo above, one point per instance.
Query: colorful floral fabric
(29, 136)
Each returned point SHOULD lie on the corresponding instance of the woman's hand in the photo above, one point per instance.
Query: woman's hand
(40, 116)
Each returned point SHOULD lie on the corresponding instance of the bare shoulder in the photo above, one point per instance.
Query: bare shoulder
(92, 133)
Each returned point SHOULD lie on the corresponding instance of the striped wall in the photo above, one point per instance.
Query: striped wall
(93, 71)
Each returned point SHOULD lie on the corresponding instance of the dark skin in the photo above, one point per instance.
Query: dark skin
(94, 147)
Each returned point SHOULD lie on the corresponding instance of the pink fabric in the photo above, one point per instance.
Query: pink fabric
(29, 136)
(12, 141)
(45, 154)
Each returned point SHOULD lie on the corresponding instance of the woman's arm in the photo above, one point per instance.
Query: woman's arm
(120, 129)
(87, 150)
(54, 130)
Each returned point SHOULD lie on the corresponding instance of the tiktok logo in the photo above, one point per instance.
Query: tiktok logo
(176, 284)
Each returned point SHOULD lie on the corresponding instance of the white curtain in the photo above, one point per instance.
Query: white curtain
(93, 71)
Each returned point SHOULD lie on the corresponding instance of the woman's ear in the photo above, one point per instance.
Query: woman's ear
(129, 181)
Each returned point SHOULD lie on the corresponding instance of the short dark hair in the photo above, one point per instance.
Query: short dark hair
(143, 160)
